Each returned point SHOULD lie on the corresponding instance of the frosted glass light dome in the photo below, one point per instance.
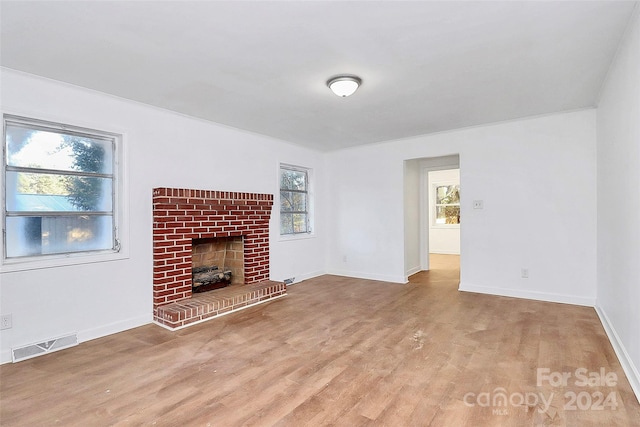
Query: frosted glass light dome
(344, 85)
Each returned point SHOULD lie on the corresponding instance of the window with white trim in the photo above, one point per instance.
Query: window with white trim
(59, 190)
(447, 204)
(294, 200)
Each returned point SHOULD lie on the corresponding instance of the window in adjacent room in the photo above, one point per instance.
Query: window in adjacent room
(447, 204)
(59, 190)
(294, 200)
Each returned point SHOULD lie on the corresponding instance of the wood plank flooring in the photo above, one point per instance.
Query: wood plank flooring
(336, 351)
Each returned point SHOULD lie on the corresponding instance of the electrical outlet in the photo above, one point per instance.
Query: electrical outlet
(478, 204)
(525, 273)
(6, 322)
(344, 258)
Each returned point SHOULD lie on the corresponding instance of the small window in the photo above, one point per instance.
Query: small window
(447, 204)
(59, 189)
(294, 200)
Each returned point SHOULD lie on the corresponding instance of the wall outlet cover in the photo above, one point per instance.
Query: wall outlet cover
(6, 321)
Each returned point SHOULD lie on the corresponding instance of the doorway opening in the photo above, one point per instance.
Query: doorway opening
(425, 214)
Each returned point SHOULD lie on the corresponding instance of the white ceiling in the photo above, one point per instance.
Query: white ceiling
(262, 66)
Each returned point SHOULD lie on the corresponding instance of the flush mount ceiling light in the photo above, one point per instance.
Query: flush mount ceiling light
(344, 85)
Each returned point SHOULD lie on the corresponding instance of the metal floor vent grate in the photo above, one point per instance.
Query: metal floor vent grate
(32, 350)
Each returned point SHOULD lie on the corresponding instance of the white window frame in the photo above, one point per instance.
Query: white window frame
(434, 213)
(119, 250)
(310, 203)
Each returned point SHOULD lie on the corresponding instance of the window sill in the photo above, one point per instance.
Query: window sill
(54, 261)
(445, 226)
(293, 237)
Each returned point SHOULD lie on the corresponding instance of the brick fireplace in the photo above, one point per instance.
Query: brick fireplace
(182, 216)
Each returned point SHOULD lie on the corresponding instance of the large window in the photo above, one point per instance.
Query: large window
(294, 200)
(59, 189)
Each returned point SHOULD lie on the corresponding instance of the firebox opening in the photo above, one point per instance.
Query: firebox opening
(217, 262)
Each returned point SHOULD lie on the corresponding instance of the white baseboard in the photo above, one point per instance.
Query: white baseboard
(113, 328)
(90, 334)
(411, 272)
(628, 366)
(306, 276)
(367, 276)
(538, 296)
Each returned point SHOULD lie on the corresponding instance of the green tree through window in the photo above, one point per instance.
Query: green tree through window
(447, 204)
(85, 191)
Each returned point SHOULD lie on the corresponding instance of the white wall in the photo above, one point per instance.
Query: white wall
(442, 239)
(411, 217)
(366, 219)
(163, 149)
(619, 203)
(536, 177)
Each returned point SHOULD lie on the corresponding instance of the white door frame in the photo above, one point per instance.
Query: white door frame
(428, 164)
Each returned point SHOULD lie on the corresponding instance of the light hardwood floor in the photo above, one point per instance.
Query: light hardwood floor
(335, 351)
